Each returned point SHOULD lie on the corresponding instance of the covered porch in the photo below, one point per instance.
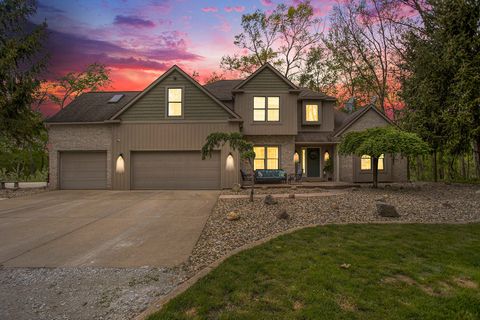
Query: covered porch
(319, 162)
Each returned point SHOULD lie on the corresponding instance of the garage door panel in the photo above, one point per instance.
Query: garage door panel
(83, 170)
(175, 170)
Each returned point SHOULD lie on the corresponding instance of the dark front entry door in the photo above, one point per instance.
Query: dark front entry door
(313, 162)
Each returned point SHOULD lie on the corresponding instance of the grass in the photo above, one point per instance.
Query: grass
(396, 272)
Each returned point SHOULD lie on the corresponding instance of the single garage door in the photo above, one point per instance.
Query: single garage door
(83, 170)
(174, 170)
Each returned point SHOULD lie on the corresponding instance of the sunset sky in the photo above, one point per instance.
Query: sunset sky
(138, 40)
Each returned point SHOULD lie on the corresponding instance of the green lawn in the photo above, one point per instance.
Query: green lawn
(396, 272)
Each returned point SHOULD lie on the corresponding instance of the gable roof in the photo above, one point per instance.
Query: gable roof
(266, 66)
(222, 89)
(354, 116)
(163, 76)
(92, 107)
(306, 94)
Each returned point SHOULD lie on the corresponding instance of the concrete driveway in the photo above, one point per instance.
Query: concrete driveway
(102, 228)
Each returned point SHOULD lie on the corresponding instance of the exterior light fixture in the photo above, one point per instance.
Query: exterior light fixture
(120, 165)
(230, 164)
(296, 157)
(326, 156)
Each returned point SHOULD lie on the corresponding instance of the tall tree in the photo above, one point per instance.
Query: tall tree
(319, 72)
(71, 85)
(21, 63)
(441, 83)
(360, 36)
(282, 38)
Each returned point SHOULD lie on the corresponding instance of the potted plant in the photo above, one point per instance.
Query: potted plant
(328, 169)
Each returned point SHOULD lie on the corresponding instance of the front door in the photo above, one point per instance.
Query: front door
(313, 162)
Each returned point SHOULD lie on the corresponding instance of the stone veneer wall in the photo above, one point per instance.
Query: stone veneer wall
(286, 145)
(95, 137)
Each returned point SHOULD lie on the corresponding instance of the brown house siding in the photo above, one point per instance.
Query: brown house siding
(197, 105)
(266, 80)
(326, 116)
(178, 136)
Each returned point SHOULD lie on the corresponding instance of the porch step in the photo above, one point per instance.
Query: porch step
(309, 185)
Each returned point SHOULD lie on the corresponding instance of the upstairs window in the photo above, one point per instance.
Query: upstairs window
(311, 113)
(265, 157)
(266, 109)
(366, 163)
(174, 102)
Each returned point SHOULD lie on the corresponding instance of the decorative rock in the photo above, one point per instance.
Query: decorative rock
(477, 192)
(236, 187)
(447, 204)
(232, 216)
(345, 265)
(269, 200)
(283, 215)
(386, 210)
(335, 206)
(291, 195)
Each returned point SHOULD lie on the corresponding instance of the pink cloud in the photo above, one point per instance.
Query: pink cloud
(133, 21)
(266, 3)
(236, 9)
(210, 9)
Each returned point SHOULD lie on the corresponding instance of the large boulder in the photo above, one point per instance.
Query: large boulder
(283, 214)
(236, 187)
(386, 210)
(232, 216)
(269, 200)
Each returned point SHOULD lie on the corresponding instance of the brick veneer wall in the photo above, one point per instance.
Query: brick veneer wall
(287, 149)
(95, 137)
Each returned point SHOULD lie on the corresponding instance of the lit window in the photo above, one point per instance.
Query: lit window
(365, 162)
(265, 158)
(174, 98)
(326, 156)
(266, 109)
(381, 161)
(311, 113)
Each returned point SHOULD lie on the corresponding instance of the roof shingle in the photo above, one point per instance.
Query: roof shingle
(92, 107)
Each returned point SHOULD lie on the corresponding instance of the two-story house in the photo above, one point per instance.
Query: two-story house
(152, 139)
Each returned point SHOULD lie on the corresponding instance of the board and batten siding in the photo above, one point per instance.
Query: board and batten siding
(266, 80)
(197, 105)
(144, 136)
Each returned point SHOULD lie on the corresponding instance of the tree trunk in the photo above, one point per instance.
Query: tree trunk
(476, 156)
(375, 171)
(441, 167)
(434, 165)
(464, 168)
(419, 168)
(252, 190)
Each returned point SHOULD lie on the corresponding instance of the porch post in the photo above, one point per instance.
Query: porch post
(337, 164)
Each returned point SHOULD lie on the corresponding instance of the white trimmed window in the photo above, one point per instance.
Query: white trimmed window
(266, 109)
(266, 157)
(175, 102)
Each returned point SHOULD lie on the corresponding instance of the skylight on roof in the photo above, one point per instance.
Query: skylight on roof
(115, 98)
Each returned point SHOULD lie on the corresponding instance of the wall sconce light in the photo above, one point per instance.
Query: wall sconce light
(326, 156)
(296, 157)
(230, 164)
(120, 165)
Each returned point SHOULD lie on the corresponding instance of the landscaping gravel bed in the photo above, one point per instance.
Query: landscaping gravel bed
(416, 203)
(15, 193)
(81, 293)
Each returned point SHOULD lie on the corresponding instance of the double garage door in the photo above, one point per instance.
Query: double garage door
(149, 170)
(174, 170)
